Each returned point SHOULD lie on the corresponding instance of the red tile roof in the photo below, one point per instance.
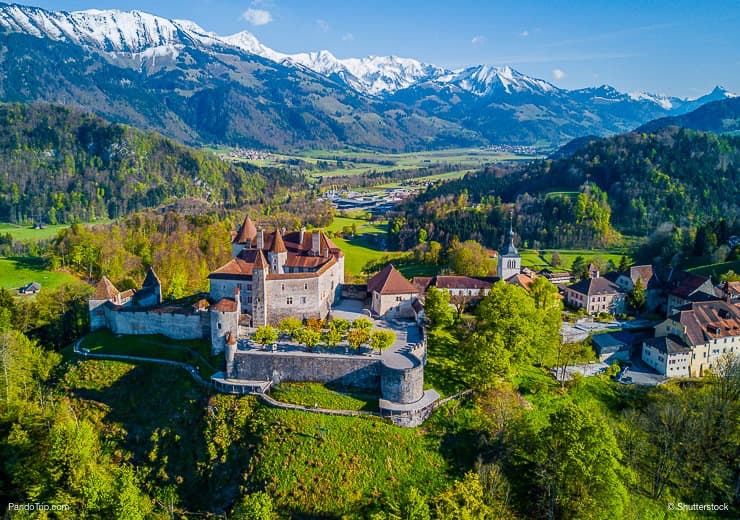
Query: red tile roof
(460, 282)
(278, 246)
(105, 290)
(224, 305)
(390, 281)
(247, 232)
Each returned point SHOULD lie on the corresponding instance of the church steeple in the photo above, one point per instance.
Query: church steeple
(509, 261)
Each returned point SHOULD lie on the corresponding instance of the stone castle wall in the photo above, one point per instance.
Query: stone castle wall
(403, 385)
(193, 325)
(347, 371)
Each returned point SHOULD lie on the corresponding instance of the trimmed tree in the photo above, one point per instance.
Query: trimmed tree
(308, 337)
(358, 337)
(289, 326)
(362, 324)
(382, 339)
(265, 335)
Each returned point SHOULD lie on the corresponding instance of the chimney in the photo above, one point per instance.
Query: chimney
(315, 243)
(300, 238)
(261, 239)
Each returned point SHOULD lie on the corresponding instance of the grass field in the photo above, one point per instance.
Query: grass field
(366, 246)
(310, 394)
(314, 466)
(195, 352)
(28, 233)
(715, 270)
(18, 271)
(533, 260)
(322, 466)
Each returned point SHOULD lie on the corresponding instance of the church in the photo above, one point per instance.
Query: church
(279, 275)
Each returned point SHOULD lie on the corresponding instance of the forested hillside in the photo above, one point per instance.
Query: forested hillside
(60, 165)
(721, 116)
(630, 183)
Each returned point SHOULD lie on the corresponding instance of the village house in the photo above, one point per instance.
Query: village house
(391, 294)
(682, 288)
(667, 355)
(649, 281)
(709, 329)
(596, 295)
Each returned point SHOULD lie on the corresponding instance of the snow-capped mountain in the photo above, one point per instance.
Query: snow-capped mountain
(484, 80)
(195, 85)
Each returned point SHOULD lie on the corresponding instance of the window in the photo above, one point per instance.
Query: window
(303, 299)
(305, 286)
(249, 299)
(219, 326)
(282, 286)
(399, 298)
(289, 300)
(249, 287)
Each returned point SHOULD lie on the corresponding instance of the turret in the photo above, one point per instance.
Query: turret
(278, 254)
(230, 354)
(244, 237)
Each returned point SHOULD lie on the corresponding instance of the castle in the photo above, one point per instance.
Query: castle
(270, 277)
(280, 274)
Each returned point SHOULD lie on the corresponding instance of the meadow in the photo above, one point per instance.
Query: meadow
(18, 271)
(194, 352)
(27, 232)
(534, 260)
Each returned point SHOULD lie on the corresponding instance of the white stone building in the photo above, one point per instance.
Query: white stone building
(278, 274)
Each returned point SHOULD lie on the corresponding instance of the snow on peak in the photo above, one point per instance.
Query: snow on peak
(661, 100)
(483, 80)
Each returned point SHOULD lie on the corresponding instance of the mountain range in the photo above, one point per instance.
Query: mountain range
(198, 87)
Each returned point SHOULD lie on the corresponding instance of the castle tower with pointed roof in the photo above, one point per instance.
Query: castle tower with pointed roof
(245, 236)
(298, 274)
(278, 254)
(509, 260)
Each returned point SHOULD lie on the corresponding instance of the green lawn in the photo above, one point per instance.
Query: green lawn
(715, 270)
(18, 271)
(366, 246)
(26, 232)
(310, 394)
(195, 352)
(319, 466)
(532, 259)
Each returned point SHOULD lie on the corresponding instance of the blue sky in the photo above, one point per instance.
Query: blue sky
(676, 47)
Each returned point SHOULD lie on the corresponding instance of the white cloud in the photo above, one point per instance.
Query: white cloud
(558, 73)
(477, 41)
(348, 37)
(323, 25)
(524, 33)
(257, 16)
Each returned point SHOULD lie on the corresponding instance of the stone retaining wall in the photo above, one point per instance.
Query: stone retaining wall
(346, 371)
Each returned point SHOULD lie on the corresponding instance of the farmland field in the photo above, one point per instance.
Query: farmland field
(18, 271)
